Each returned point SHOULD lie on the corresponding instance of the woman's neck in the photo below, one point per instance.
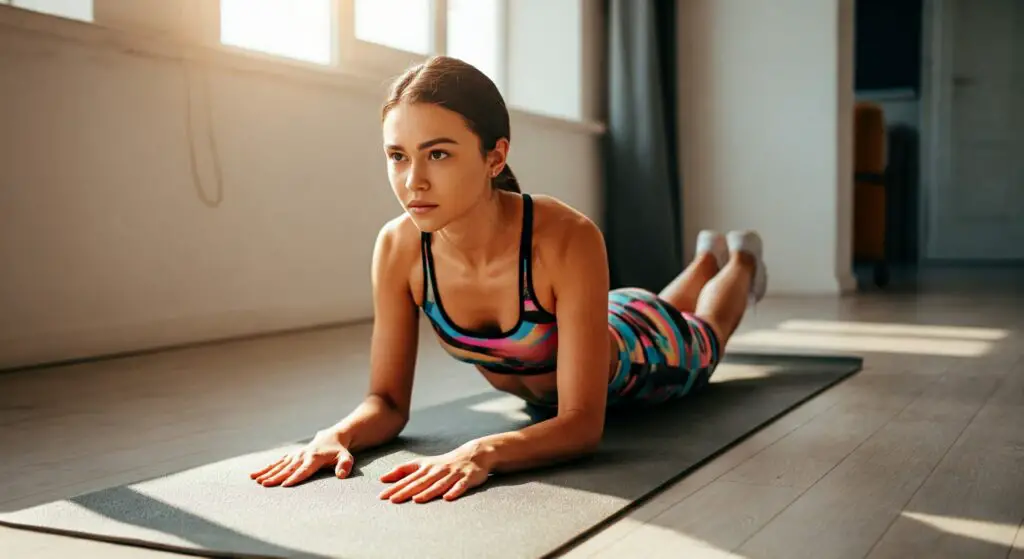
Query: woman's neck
(482, 234)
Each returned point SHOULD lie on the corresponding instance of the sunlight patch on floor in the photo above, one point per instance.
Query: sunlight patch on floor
(509, 407)
(744, 371)
(990, 532)
(660, 541)
(912, 339)
(893, 329)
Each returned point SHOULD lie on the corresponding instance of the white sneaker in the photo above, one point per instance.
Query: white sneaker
(750, 242)
(713, 242)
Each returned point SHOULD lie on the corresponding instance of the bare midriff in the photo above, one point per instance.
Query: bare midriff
(541, 387)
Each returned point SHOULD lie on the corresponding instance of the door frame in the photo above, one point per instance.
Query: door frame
(936, 110)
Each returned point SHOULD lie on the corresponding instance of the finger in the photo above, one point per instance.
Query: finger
(440, 486)
(457, 489)
(272, 465)
(418, 485)
(305, 469)
(277, 468)
(344, 467)
(404, 482)
(283, 473)
(400, 471)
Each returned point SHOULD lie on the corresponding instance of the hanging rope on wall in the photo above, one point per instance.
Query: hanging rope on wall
(205, 101)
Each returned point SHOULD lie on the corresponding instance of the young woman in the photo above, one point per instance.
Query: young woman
(517, 285)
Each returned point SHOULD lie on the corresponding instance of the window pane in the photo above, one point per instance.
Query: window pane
(299, 30)
(552, 31)
(399, 24)
(73, 9)
(473, 34)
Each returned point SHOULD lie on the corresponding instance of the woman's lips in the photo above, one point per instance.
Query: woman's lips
(421, 207)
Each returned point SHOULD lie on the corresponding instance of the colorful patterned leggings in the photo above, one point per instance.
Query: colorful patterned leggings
(663, 353)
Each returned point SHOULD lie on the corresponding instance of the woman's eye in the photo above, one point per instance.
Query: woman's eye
(395, 157)
(438, 155)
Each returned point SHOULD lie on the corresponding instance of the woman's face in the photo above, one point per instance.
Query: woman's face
(435, 164)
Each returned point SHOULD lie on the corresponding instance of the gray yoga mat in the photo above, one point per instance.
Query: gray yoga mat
(216, 511)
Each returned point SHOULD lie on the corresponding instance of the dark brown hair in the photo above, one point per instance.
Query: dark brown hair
(460, 87)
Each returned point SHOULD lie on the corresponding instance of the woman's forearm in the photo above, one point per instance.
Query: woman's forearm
(373, 422)
(554, 440)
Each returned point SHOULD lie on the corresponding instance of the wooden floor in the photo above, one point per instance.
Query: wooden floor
(920, 455)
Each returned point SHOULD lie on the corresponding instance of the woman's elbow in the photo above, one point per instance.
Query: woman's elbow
(589, 433)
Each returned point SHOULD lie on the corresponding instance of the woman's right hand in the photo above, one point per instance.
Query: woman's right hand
(324, 450)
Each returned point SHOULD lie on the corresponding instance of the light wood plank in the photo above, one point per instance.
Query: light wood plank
(31, 545)
(698, 523)
(973, 502)
(861, 390)
(1017, 551)
(806, 454)
(851, 507)
(708, 473)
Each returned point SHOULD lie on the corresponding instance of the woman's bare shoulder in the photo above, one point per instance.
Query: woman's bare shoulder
(555, 221)
(398, 244)
(563, 236)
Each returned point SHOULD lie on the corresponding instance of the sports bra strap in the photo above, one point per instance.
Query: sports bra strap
(526, 238)
(525, 256)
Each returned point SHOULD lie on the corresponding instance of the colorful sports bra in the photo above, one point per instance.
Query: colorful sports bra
(529, 348)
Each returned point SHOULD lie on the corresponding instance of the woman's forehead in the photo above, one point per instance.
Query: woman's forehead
(418, 120)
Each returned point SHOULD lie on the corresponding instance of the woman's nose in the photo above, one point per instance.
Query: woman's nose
(416, 179)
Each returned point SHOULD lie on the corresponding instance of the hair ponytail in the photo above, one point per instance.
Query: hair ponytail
(506, 180)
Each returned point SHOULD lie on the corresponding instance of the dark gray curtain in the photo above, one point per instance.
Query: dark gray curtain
(641, 181)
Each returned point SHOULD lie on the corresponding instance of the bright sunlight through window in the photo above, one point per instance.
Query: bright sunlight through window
(473, 31)
(300, 30)
(399, 24)
(71, 9)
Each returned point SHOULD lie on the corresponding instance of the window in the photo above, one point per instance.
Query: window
(542, 54)
(398, 24)
(71, 9)
(532, 49)
(476, 33)
(546, 63)
(301, 30)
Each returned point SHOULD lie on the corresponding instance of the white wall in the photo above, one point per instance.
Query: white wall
(766, 119)
(106, 245)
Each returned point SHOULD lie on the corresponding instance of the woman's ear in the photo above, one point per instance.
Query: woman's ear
(497, 157)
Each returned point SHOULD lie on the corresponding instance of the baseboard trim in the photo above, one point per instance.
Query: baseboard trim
(180, 346)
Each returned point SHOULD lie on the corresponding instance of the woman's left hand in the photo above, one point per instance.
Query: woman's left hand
(448, 476)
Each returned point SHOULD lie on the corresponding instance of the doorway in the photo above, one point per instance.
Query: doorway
(975, 112)
(888, 77)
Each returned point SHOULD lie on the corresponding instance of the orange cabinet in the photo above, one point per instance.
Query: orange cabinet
(869, 193)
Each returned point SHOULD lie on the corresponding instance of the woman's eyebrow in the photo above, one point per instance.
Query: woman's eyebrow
(426, 144)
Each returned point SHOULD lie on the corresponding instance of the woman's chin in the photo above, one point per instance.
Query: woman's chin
(426, 222)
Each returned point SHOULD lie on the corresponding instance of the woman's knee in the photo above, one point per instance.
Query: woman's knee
(719, 327)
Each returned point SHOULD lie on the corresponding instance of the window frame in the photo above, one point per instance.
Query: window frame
(196, 37)
(373, 59)
(63, 16)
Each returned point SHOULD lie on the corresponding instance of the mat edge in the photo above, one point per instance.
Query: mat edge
(856, 366)
(133, 542)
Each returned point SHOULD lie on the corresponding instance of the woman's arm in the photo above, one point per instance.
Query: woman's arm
(385, 411)
(581, 289)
